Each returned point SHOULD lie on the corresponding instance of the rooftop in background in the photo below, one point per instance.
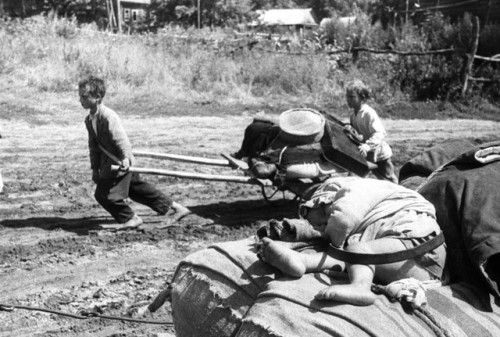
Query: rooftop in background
(286, 17)
(146, 2)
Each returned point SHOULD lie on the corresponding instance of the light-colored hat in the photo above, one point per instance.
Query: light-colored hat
(301, 126)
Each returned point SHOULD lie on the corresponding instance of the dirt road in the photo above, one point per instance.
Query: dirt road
(53, 253)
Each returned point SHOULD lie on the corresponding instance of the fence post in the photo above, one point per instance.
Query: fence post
(469, 58)
(488, 12)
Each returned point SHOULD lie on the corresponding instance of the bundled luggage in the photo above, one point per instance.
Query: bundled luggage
(303, 143)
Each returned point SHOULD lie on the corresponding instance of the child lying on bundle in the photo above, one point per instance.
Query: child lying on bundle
(363, 216)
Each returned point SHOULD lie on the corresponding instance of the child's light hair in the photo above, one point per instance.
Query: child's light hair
(359, 88)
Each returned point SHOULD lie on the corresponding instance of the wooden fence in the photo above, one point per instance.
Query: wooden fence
(469, 56)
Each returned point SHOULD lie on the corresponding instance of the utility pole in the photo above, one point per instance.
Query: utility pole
(406, 12)
(23, 9)
(119, 10)
(199, 14)
(111, 15)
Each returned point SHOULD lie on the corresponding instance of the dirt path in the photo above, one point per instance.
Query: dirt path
(53, 253)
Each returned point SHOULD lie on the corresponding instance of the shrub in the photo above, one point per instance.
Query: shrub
(489, 40)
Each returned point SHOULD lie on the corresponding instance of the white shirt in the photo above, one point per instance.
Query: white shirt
(369, 125)
(93, 120)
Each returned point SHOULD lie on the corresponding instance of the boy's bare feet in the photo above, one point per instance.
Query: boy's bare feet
(134, 222)
(348, 293)
(288, 261)
(179, 212)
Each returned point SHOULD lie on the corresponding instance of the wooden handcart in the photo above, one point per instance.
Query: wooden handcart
(300, 187)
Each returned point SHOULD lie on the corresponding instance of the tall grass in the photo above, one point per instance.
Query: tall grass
(53, 54)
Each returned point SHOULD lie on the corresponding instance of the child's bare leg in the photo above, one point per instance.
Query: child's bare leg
(294, 263)
(358, 292)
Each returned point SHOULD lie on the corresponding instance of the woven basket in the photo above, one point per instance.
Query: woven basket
(301, 126)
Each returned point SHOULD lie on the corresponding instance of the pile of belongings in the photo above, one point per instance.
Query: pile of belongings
(303, 143)
(226, 290)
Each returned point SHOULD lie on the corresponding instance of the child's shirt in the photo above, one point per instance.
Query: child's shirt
(368, 124)
(109, 133)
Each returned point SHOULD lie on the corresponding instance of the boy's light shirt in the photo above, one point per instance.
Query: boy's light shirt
(93, 120)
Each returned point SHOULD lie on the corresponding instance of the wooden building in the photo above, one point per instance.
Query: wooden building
(296, 20)
(127, 14)
(134, 11)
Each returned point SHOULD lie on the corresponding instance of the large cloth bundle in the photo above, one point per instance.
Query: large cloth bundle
(466, 195)
(226, 290)
(415, 172)
(462, 180)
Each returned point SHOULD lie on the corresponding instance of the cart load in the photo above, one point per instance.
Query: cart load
(226, 290)
(300, 149)
(303, 143)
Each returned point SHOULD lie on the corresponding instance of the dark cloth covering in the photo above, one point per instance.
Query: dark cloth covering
(262, 140)
(258, 136)
(466, 195)
(415, 171)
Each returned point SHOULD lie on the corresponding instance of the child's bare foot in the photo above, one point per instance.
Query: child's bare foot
(348, 293)
(287, 260)
(179, 213)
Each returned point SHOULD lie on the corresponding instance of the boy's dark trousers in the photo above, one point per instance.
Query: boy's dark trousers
(111, 194)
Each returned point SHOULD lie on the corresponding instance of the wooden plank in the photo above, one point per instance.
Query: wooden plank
(178, 157)
(242, 165)
(236, 163)
(495, 58)
(197, 176)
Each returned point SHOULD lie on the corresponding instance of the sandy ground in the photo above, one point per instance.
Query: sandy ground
(54, 254)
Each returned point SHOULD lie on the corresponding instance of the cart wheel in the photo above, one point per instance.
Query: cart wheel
(269, 197)
(266, 196)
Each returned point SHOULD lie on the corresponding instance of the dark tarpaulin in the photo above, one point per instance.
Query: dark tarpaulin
(466, 195)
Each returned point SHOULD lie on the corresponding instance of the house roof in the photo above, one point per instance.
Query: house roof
(344, 21)
(286, 17)
(145, 2)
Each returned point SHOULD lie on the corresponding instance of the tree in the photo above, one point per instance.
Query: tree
(83, 10)
(213, 12)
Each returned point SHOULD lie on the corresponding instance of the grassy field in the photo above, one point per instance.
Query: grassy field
(206, 73)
